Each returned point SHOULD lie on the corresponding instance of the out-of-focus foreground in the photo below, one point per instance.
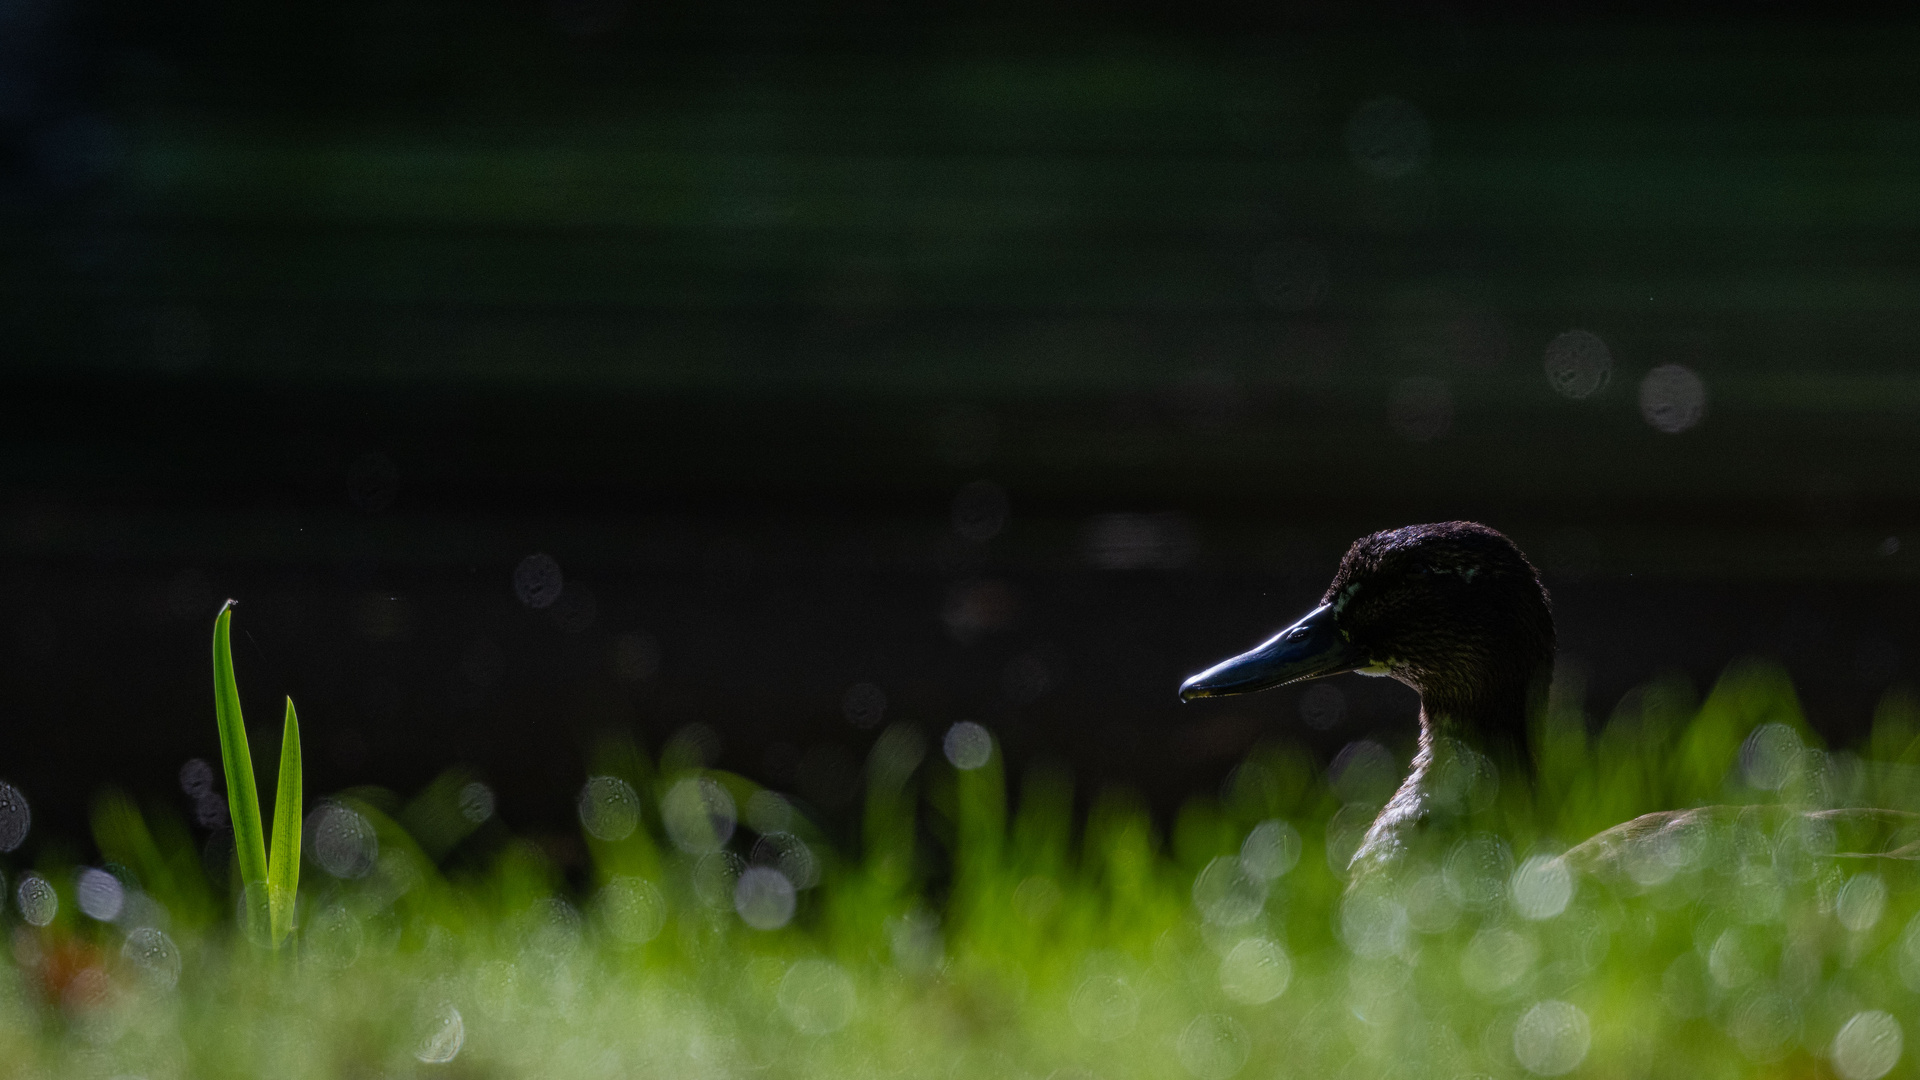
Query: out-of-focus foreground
(974, 934)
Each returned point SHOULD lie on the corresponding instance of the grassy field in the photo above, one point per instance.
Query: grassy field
(979, 932)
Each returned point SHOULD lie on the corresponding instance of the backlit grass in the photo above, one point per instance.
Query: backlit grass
(978, 932)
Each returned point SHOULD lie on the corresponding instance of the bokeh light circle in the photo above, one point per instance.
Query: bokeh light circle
(967, 745)
(154, 955)
(1256, 971)
(1541, 887)
(1578, 364)
(1672, 398)
(38, 901)
(609, 808)
(99, 894)
(764, 898)
(1226, 894)
(537, 581)
(16, 817)
(1860, 902)
(1868, 1046)
(1104, 1007)
(817, 997)
(632, 909)
(341, 841)
(1771, 756)
(443, 1034)
(698, 815)
(1552, 1038)
(1214, 1046)
(1271, 849)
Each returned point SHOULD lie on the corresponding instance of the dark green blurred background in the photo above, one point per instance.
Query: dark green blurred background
(1015, 360)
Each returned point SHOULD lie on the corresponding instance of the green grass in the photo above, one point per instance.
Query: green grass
(982, 933)
(270, 883)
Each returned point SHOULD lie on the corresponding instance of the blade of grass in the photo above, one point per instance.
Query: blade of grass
(243, 799)
(283, 860)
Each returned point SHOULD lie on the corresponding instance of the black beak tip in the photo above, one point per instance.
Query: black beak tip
(1192, 691)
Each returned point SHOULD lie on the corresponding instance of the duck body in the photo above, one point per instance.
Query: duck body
(1639, 851)
(1455, 611)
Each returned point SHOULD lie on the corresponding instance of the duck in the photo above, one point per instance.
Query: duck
(1456, 611)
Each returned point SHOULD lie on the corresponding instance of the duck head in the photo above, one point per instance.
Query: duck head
(1452, 609)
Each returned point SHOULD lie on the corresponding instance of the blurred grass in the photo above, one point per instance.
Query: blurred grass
(974, 934)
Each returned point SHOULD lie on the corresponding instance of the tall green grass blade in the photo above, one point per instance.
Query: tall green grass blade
(243, 799)
(283, 862)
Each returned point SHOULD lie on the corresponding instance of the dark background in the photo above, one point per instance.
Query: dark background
(1018, 360)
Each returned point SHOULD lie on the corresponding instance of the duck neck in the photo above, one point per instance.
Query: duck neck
(1436, 791)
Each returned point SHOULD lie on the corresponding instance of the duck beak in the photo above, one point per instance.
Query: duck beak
(1308, 649)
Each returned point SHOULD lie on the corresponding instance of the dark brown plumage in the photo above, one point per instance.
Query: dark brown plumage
(1455, 611)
